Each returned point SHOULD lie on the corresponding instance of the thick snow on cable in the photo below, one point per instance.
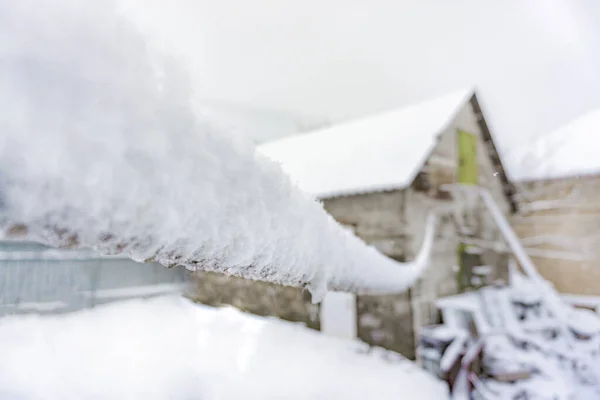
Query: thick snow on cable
(100, 148)
(168, 348)
(569, 151)
(380, 152)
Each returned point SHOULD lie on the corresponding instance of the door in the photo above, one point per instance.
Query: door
(467, 158)
(467, 175)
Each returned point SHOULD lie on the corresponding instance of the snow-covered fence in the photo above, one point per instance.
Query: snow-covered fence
(34, 278)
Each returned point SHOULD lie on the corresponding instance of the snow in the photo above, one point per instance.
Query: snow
(453, 352)
(565, 153)
(338, 315)
(100, 148)
(581, 300)
(468, 301)
(169, 348)
(584, 321)
(529, 339)
(526, 292)
(376, 153)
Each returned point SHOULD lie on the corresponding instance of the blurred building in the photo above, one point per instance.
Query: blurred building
(558, 190)
(35, 278)
(380, 176)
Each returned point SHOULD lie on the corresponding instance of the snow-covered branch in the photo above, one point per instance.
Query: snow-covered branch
(100, 148)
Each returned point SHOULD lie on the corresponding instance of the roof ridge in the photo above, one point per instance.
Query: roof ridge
(467, 94)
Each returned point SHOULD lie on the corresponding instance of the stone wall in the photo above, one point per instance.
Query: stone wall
(260, 298)
(394, 223)
(377, 218)
(387, 321)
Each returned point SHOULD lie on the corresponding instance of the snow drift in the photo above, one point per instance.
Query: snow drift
(168, 348)
(99, 148)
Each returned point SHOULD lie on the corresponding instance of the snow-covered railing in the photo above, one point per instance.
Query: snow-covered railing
(453, 351)
(100, 148)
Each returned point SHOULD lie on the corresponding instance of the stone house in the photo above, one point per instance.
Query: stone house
(557, 179)
(380, 176)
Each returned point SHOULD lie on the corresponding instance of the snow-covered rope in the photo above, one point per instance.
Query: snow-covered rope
(100, 148)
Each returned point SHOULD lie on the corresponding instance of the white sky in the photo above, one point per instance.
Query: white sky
(536, 63)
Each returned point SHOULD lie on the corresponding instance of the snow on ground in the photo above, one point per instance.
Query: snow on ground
(169, 348)
(100, 147)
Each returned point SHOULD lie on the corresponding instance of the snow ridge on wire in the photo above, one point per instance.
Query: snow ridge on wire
(100, 148)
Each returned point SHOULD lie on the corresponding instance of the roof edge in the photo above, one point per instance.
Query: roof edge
(468, 95)
(507, 186)
(561, 177)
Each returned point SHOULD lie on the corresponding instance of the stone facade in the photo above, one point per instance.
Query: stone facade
(559, 222)
(387, 321)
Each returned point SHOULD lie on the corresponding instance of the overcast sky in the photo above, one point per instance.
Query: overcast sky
(536, 62)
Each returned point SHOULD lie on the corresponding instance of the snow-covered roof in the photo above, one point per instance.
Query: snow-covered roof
(569, 151)
(381, 152)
